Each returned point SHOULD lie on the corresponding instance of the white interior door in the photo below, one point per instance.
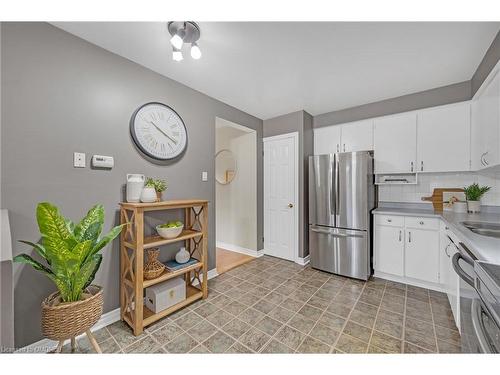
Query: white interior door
(281, 196)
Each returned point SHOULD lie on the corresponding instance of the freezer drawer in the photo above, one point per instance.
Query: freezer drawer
(340, 251)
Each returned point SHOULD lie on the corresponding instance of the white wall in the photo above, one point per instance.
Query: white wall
(427, 183)
(236, 203)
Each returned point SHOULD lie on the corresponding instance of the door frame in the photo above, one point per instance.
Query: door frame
(296, 212)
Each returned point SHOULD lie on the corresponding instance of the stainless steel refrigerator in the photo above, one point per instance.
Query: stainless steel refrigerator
(341, 197)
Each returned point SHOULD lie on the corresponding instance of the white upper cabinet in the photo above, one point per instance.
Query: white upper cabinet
(443, 139)
(394, 143)
(357, 136)
(327, 140)
(486, 125)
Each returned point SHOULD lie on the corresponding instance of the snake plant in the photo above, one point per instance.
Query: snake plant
(71, 251)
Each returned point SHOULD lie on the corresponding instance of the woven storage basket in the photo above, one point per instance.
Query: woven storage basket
(65, 320)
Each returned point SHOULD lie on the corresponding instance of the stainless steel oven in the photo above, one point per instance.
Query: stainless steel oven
(479, 303)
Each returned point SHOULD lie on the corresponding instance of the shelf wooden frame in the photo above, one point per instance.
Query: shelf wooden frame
(132, 246)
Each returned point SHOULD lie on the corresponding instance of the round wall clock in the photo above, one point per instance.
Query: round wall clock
(158, 131)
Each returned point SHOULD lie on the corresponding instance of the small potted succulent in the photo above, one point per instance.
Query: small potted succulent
(71, 256)
(159, 185)
(473, 194)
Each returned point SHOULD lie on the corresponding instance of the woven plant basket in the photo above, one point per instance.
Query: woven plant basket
(64, 320)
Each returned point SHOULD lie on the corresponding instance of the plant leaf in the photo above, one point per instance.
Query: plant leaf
(112, 234)
(56, 238)
(98, 259)
(95, 215)
(24, 258)
(83, 276)
(81, 251)
(92, 233)
(39, 249)
(70, 225)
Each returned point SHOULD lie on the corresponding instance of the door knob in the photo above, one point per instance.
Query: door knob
(290, 205)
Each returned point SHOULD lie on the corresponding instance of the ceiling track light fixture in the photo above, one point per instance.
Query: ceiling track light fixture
(184, 32)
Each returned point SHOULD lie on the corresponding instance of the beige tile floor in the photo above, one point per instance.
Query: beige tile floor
(275, 306)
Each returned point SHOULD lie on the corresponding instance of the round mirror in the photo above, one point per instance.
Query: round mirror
(225, 167)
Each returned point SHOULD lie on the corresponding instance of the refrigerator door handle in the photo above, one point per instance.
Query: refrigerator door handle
(337, 188)
(340, 235)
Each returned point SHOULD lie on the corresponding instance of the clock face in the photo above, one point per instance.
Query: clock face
(158, 131)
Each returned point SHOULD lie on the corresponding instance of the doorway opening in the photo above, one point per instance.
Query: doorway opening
(235, 194)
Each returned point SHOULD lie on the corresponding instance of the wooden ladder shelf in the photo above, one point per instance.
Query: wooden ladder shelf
(132, 245)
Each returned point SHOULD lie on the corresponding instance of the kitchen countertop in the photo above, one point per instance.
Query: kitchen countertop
(485, 248)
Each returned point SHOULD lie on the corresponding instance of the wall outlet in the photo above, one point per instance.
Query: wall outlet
(79, 160)
(204, 176)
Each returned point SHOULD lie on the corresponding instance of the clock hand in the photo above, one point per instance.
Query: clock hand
(165, 134)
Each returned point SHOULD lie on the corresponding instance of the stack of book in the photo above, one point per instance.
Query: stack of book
(172, 265)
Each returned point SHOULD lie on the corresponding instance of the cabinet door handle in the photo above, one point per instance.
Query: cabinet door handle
(446, 250)
(409, 236)
(411, 166)
(338, 147)
(389, 220)
(399, 236)
(421, 223)
(421, 166)
(344, 147)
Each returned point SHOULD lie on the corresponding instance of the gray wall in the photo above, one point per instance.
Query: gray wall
(300, 122)
(489, 61)
(443, 95)
(61, 94)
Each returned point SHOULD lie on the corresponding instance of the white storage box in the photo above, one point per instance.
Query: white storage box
(161, 296)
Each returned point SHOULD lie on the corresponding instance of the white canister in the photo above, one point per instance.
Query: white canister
(148, 195)
(135, 183)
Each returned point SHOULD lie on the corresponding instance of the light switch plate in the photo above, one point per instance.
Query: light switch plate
(79, 160)
(204, 176)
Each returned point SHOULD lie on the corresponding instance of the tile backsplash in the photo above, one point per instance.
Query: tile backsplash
(427, 182)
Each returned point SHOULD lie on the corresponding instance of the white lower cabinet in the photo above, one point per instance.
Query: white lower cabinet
(422, 254)
(406, 251)
(389, 259)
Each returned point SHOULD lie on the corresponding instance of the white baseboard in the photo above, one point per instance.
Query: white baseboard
(46, 345)
(409, 281)
(239, 249)
(302, 261)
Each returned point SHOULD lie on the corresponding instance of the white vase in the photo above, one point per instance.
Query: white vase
(182, 256)
(148, 195)
(474, 207)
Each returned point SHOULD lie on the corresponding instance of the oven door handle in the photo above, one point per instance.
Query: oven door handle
(461, 273)
(478, 326)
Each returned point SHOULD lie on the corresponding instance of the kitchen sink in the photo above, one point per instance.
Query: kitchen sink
(483, 229)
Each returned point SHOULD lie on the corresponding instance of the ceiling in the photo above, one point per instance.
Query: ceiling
(273, 68)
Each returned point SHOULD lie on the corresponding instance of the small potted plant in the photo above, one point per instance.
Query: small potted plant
(71, 255)
(473, 194)
(159, 185)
